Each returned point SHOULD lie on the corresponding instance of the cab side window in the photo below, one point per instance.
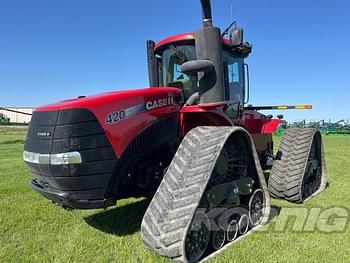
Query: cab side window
(235, 77)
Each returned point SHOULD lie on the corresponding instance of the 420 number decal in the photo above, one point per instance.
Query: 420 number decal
(120, 115)
(115, 117)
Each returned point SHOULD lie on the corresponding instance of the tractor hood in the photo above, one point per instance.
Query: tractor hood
(123, 97)
(122, 115)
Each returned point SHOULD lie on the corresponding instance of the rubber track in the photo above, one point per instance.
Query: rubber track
(169, 215)
(287, 174)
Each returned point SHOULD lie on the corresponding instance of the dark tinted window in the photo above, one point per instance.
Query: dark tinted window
(235, 76)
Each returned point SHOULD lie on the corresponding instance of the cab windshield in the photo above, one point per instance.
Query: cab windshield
(172, 59)
(175, 55)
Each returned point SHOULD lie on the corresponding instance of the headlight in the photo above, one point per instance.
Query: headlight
(53, 159)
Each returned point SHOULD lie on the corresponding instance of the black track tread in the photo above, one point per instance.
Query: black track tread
(166, 221)
(287, 174)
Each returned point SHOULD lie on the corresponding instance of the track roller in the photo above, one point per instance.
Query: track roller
(205, 195)
(300, 174)
(243, 224)
(218, 239)
(232, 230)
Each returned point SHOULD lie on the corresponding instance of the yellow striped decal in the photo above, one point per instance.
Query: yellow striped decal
(280, 107)
(296, 107)
(303, 107)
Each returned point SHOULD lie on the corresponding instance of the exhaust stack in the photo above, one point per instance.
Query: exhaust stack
(208, 65)
(209, 47)
(206, 13)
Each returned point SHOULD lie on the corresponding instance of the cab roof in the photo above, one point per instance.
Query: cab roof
(181, 38)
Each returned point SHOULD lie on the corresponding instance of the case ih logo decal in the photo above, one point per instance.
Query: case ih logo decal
(43, 134)
(120, 115)
(150, 105)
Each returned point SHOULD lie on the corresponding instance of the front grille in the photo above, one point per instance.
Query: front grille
(54, 132)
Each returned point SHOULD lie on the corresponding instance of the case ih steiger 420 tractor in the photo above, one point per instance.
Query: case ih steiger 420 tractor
(190, 140)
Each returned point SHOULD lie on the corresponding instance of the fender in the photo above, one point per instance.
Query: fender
(209, 114)
(161, 139)
(257, 123)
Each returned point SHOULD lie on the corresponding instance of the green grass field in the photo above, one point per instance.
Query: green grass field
(34, 230)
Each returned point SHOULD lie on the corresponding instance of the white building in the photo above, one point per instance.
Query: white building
(16, 114)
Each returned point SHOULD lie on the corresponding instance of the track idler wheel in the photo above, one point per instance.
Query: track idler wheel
(256, 207)
(198, 237)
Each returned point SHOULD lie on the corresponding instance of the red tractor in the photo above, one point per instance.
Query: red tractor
(190, 140)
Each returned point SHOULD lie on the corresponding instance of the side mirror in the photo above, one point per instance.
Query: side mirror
(236, 37)
(194, 66)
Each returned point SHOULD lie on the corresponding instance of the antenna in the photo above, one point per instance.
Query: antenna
(228, 29)
(232, 22)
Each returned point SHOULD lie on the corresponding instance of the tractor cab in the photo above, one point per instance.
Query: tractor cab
(166, 58)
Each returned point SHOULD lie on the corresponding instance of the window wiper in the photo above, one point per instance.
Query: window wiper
(181, 55)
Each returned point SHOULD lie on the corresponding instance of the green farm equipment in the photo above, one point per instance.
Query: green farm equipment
(339, 127)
